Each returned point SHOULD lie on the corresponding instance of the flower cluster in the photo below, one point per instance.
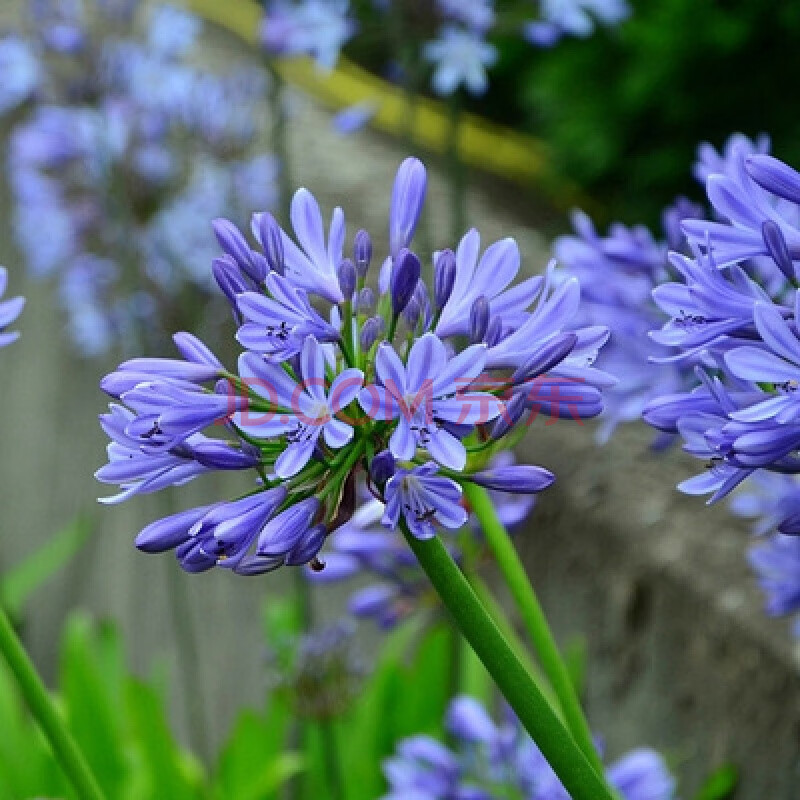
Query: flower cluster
(122, 144)
(414, 387)
(489, 760)
(619, 272)
(453, 35)
(399, 587)
(732, 306)
(9, 311)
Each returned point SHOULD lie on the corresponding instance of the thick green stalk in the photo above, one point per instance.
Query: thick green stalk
(535, 621)
(333, 766)
(456, 171)
(43, 709)
(517, 686)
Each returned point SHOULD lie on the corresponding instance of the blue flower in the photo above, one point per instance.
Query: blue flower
(461, 58)
(573, 18)
(777, 565)
(488, 759)
(477, 15)
(20, 71)
(317, 28)
(287, 417)
(420, 496)
(9, 311)
(277, 325)
(488, 276)
(430, 390)
(300, 411)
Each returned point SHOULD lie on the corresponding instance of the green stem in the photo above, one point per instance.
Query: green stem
(535, 621)
(43, 709)
(517, 686)
(333, 765)
(507, 629)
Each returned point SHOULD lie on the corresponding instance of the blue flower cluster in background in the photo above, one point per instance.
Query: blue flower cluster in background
(120, 143)
(489, 761)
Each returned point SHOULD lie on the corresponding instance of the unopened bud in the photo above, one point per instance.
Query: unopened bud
(444, 278)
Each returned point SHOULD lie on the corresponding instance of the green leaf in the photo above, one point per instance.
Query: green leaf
(252, 764)
(576, 657)
(91, 694)
(165, 770)
(23, 579)
(720, 784)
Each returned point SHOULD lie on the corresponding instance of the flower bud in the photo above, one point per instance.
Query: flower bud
(545, 358)
(308, 546)
(268, 233)
(510, 416)
(235, 245)
(229, 278)
(362, 252)
(478, 319)
(444, 278)
(494, 333)
(382, 468)
(370, 332)
(169, 532)
(405, 274)
(518, 478)
(346, 273)
(408, 197)
(774, 176)
(777, 248)
(365, 301)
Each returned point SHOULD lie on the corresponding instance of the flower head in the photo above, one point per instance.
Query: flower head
(314, 405)
(461, 58)
(488, 759)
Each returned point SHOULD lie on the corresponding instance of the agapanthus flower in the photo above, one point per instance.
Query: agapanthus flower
(364, 547)
(478, 15)
(316, 28)
(10, 309)
(489, 759)
(559, 18)
(776, 563)
(733, 313)
(618, 273)
(20, 70)
(126, 147)
(313, 406)
(461, 57)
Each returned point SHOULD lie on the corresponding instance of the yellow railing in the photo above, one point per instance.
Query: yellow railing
(482, 144)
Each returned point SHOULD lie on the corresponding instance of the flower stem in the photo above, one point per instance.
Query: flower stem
(332, 761)
(517, 686)
(43, 709)
(535, 621)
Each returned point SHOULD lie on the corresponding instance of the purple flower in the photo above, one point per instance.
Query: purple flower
(278, 324)
(461, 58)
(317, 28)
(431, 389)
(312, 266)
(573, 18)
(421, 497)
(300, 411)
(777, 565)
(20, 70)
(287, 415)
(488, 759)
(478, 15)
(9, 311)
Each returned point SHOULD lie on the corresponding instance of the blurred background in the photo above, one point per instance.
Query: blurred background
(653, 589)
